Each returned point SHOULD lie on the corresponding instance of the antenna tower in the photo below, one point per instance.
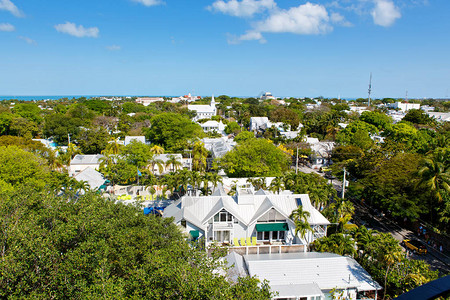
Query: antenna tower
(370, 86)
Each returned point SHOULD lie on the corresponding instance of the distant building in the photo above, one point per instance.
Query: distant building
(81, 162)
(259, 123)
(440, 116)
(146, 101)
(204, 111)
(139, 138)
(211, 126)
(404, 106)
(185, 98)
(267, 96)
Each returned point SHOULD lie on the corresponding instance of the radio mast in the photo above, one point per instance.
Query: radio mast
(370, 86)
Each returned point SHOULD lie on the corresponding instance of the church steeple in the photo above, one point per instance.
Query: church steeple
(213, 101)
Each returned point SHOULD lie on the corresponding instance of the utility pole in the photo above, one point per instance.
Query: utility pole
(343, 185)
(296, 163)
(370, 86)
(68, 135)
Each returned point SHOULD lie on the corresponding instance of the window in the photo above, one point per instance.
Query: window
(270, 235)
(223, 216)
(299, 201)
(183, 223)
(222, 235)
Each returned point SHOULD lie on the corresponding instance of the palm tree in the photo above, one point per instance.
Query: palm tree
(199, 155)
(300, 218)
(277, 184)
(159, 163)
(434, 172)
(215, 179)
(157, 150)
(174, 162)
(196, 180)
(113, 147)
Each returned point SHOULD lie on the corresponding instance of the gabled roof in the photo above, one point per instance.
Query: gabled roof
(248, 209)
(92, 177)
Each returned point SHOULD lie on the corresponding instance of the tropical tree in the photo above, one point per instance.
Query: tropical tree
(155, 162)
(199, 156)
(157, 150)
(173, 162)
(434, 172)
(300, 218)
(277, 184)
(215, 179)
(114, 147)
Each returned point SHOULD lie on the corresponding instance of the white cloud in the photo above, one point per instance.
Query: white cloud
(9, 6)
(113, 48)
(244, 8)
(248, 36)
(149, 2)
(28, 40)
(305, 19)
(339, 19)
(385, 13)
(78, 31)
(7, 27)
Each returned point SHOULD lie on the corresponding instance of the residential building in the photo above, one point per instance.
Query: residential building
(139, 138)
(259, 123)
(211, 126)
(267, 96)
(440, 116)
(321, 152)
(404, 106)
(310, 275)
(204, 111)
(250, 221)
(146, 101)
(81, 162)
(94, 179)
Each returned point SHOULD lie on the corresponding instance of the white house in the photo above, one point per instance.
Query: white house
(310, 275)
(259, 123)
(321, 151)
(404, 106)
(146, 101)
(81, 162)
(249, 221)
(204, 111)
(93, 178)
(139, 138)
(211, 126)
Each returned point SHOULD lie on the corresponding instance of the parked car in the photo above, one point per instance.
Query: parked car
(415, 246)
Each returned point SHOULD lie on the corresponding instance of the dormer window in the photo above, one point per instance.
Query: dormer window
(223, 216)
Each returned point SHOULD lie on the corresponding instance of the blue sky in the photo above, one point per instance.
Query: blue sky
(234, 47)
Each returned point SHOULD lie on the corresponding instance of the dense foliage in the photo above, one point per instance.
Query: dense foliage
(255, 158)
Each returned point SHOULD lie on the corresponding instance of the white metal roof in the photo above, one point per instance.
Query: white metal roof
(92, 177)
(202, 208)
(89, 159)
(326, 269)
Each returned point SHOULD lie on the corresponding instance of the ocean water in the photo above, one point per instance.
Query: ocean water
(31, 98)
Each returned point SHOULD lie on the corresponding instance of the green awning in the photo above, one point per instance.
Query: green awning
(194, 233)
(272, 227)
